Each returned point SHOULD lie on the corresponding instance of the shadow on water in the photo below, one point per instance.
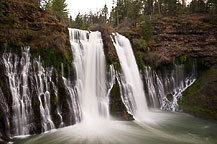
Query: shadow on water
(164, 128)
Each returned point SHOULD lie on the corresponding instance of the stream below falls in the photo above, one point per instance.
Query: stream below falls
(161, 128)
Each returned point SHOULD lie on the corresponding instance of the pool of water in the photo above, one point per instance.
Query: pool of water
(159, 128)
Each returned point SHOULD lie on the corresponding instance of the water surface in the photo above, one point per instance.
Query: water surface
(159, 128)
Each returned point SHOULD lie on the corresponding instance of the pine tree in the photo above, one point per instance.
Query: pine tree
(59, 9)
(105, 13)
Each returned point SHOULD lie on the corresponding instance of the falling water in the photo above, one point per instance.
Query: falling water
(17, 72)
(168, 83)
(42, 78)
(89, 62)
(132, 86)
(73, 102)
(111, 79)
(28, 80)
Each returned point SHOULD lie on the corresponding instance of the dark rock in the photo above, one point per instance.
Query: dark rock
(110, 52)
(200, 99)
(117, 108)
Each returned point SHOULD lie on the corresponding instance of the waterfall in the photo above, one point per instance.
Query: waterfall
(161, 85)
(29, 83)
(89, 63)
(111, 79)
(38, 101)
(17, 73)
(42, 78)
(73, 102)
(130, 81)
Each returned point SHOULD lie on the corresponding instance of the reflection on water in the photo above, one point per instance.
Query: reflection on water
(164, 128)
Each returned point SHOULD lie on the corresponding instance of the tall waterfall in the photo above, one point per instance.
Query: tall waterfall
(89, 62)
(131, 82)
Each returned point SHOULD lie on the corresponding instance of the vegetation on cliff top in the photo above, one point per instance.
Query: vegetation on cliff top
(25, 24)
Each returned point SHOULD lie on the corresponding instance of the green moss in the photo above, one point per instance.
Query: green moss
(200, 98)
(53, 57)
(183, 59)
(117, 66)
(142, 44)
(139, 59)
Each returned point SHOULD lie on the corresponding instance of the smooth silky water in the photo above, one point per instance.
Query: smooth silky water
(167, 128)
(92, 87)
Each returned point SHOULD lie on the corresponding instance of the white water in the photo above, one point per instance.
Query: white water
(173, 83)
(42, 78)
(73, 102)
(21, 102)
(131, 82)
(89, 62)
(28, 80)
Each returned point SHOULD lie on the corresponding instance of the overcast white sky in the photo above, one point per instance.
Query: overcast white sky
(84, 6)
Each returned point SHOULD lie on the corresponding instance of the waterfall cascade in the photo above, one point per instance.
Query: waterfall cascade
(130, 81)
(36, 101)
(158, 86)
(89, 62)
(30, 85)
(17, 73)
(161, 85)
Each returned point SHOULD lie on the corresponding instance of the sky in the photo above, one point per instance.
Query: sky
(85, 6)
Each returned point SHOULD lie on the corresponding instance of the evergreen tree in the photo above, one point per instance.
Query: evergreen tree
(146, 30)
(198, 6)
(48, 6)
(59, 9)
(105, 13)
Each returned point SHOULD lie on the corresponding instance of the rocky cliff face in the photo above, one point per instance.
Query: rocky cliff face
(201, 98)
(178, 40)
(185, 35)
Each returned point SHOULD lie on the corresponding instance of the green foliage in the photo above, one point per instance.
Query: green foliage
(56, 7)
(53, 57)
(147, 30)
(117, 67)
(183, 59)
(170, 7)
(139, 60)
(197, 101)
(59, 9)
(142, 44)
(84, 21)
(198, 6)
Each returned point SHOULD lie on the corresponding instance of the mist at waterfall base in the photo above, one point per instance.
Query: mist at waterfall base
(93, 86)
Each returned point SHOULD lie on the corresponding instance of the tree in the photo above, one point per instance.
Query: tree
(59, 9)
(148, 6)
(146, 30)
(105, 13)
(198, 6)
(48, 6)
(212, 5)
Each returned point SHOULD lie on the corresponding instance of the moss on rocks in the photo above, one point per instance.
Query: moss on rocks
(200, 99)
(25, 24)
(117, 108)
